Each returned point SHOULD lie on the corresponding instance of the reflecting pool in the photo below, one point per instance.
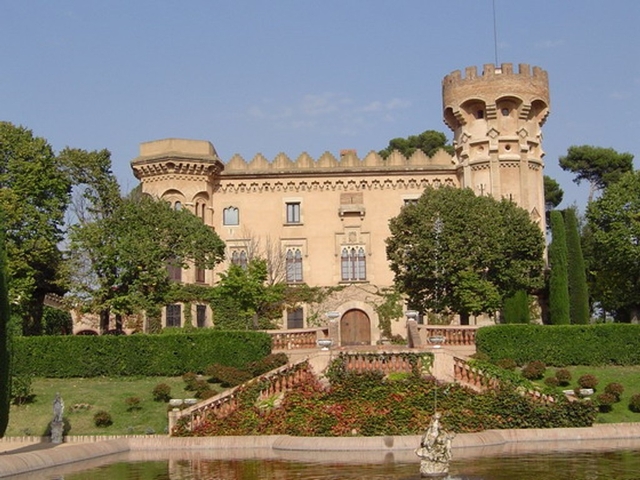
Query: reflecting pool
(573, 465)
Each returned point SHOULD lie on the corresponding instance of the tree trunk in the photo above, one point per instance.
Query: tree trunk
(104, 321)
(119, 324)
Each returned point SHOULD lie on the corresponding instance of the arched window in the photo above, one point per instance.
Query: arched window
(230, 216)
(177, 206)
(239, 258)
(294, 265)
(353, 264)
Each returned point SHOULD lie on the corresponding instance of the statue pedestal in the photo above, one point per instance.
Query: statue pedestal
(57, 429)
(430, 469)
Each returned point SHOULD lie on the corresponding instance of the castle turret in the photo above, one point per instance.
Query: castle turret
(496, 118)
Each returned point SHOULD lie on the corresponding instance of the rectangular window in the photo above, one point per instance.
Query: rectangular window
(293, 212)
(230, 216)
(200, 275)
(201, 316)
(410, 201)
(295, 318)
(174, 315)
(294, 265)
(174, 270)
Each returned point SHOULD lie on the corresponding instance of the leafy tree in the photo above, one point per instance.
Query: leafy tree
(129, 251)
(5, 340)
(429, 142)
(558, 278)
(244, 300)
(614, 222)
(516, 308)
(455, 252)
(577, 277)
(597, 165)
(34, 194)
(553, 194)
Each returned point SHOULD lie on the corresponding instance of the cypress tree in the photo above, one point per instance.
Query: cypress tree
(516, 308)
(5, 344)
(578, 291)
(558, 279)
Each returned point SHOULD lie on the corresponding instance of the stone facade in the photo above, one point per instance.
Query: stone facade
(324, 221)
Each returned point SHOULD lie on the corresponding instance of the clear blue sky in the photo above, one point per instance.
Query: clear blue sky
(295, 75)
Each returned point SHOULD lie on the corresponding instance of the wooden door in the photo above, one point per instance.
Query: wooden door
(355, 328)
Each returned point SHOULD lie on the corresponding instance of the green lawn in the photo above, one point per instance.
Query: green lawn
(98, 394)
(629, 377)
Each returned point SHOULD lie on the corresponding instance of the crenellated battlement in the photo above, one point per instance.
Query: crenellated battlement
(327, 162)
(489, 70)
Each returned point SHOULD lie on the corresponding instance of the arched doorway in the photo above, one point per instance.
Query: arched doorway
(355, 328)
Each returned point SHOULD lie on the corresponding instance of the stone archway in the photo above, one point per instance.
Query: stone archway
(355, 328)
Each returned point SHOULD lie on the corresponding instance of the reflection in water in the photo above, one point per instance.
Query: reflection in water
(614, 465)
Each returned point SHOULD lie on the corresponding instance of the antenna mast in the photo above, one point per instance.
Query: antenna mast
(495, 34)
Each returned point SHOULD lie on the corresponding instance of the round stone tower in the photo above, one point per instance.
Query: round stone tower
(496, 118)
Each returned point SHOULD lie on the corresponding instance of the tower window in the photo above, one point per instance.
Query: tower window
(239, 258)
(293, 212)
(230, 216)
(480, 114)
(505, 112)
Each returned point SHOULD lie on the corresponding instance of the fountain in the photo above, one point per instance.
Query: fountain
(435, 450)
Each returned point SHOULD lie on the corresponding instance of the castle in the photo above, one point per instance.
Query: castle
(324, 221)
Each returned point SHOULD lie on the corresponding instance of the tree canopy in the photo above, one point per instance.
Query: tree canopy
(455, 252)
(597, 165)
(614, 223)
(34, 194)
(429, 142)
(553, 194)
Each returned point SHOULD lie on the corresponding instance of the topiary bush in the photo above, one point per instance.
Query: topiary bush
(534, 370)
(507, 364)
(588, 381)
(564, 377)
(102, 418)
(190, 379)
(162, 392)
(605, 402)
(133, 403)
(551, 382)
(634, 403)
(615, 389)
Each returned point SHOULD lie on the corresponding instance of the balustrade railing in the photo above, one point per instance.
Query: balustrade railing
(476, 379)
(276, 381)
(386, 362)
(454, 335)
(298, 338)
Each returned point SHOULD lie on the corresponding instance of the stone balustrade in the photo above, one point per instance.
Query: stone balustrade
(397, 361)
(477, 380)
(299, 338)
(454, 335)
(277, 381)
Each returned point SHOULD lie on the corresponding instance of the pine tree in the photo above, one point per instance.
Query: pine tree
(5, 345)
(577, 276)
(558, 279)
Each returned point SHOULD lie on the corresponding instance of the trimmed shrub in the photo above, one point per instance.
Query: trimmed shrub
(577, 276)
(21, 392)
(162, 392)
(562, 345)
(551, 382)
(558, 277)
(6, 360)
(133, 403)
(507, 364)
(615, 389)
(534, 370)
(516, 308)
(268, 363)
(140, 355)
(102, 418)
(605, 401)
(227, 376)
(588, 381)
(564, 377)
(634, 403)
(190, 379)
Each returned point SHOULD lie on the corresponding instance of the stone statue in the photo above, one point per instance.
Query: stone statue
(57, 424)
(435, 450)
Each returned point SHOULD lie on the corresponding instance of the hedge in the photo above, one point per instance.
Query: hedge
(139, 354)
(561, 345)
